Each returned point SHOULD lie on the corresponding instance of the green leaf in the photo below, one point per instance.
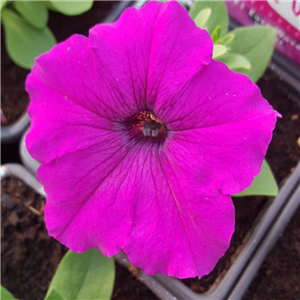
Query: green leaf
(6, 295)
(23, 42)
(218, 17)
(227, 39)
(256, 43)
(235, 61)
(263, 185)
(53, 294)
(72, 8)
(34, 12)
(202, 17)
(219, 50)
(3, 3)
(88, 275)
(50, 6)
(216, 34)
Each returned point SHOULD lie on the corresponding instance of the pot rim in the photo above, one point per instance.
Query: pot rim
(13, 132)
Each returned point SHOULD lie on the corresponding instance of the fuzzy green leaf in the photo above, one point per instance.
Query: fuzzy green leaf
(3, 3)
(218, 17)
(235, 61)
(256, 43)
(72, 8)
(202, 17)
(53, 294)
(88, 275)
(50, 6)
(34, 12)
(219, 51)
(23, 42)
(6, 295)
(263, 185)
(216, 34)
(227, 39)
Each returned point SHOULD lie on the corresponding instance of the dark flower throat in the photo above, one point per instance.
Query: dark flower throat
(146, 126)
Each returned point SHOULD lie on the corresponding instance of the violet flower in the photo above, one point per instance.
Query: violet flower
(143, 138)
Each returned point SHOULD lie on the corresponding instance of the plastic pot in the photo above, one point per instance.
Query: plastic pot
(291, 204)
(13, 132)
(20, 172)
(30, 164)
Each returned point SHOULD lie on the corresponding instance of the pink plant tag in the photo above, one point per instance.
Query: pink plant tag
(281, 14)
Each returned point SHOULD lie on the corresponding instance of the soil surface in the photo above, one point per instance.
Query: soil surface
(283, 155)
(13, 96)
(279, 276)
(29, 257)
(284, 150)
(14, 99)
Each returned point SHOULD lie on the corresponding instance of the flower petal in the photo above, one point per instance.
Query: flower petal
(179, 229)
(167, 205)
(90, 197)
(226, 157)
(136, 202)
(149, 50)
(66, 115)
(215, 96)
(71, 82)
(222, 126)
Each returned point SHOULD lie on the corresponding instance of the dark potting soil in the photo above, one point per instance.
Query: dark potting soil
(14, 99)
(127, 286)
(30, 257)
(283, 155)
(279, 276)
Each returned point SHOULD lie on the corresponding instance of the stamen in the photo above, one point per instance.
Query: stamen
(146, 125)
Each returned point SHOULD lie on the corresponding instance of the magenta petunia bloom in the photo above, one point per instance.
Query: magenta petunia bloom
(143, 137)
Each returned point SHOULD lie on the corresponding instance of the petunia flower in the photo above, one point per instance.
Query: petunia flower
(142, 138)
